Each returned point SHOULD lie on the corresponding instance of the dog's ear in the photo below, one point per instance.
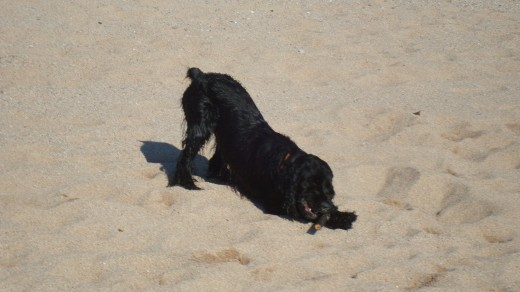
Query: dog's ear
(289, 202)
(324, 165)
(289, 187)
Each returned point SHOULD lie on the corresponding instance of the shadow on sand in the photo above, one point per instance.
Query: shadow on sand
(167, 155)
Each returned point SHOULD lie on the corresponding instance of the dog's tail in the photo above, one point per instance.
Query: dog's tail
(194, 74)
(197, 79)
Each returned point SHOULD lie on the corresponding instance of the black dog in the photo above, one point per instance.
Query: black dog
(263, 165)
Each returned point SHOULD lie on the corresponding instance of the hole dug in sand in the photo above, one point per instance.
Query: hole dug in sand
(495, 230)
(264, 274)
(163, 198)
(385, 124)
(461, 132)
(426, 280)
(449, 200)
(465, 211)
(397, 204)
(406, 276)
(515, 128)
(398, 181)
(222, 256)
(482, 145)
(492, 236)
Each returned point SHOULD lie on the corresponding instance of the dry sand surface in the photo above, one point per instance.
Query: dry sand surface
(90, 125)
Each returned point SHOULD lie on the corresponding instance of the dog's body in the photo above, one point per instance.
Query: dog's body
(265, 166)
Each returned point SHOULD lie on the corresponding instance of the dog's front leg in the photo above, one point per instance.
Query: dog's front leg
(217, 168)
(341, 220)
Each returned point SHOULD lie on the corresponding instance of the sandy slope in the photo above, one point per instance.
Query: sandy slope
(90, 122)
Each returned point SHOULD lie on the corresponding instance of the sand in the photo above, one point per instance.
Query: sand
(90, 125)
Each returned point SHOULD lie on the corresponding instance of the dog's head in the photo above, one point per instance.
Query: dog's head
(313, 191)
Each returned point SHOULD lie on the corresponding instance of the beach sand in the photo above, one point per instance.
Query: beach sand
(414, 105)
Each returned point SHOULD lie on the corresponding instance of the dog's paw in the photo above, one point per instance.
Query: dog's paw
(189, 186)
(341, 220)
(186, 182)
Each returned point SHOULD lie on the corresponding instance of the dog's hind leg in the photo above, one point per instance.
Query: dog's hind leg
(183, 174)
(200, 126)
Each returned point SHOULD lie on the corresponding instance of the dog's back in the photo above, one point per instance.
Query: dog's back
(226, 93)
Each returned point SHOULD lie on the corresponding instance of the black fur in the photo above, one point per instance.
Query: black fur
(263, 165)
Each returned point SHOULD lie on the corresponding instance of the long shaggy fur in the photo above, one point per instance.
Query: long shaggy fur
(263, 165)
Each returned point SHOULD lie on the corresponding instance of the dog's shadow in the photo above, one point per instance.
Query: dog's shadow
(166, 155)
